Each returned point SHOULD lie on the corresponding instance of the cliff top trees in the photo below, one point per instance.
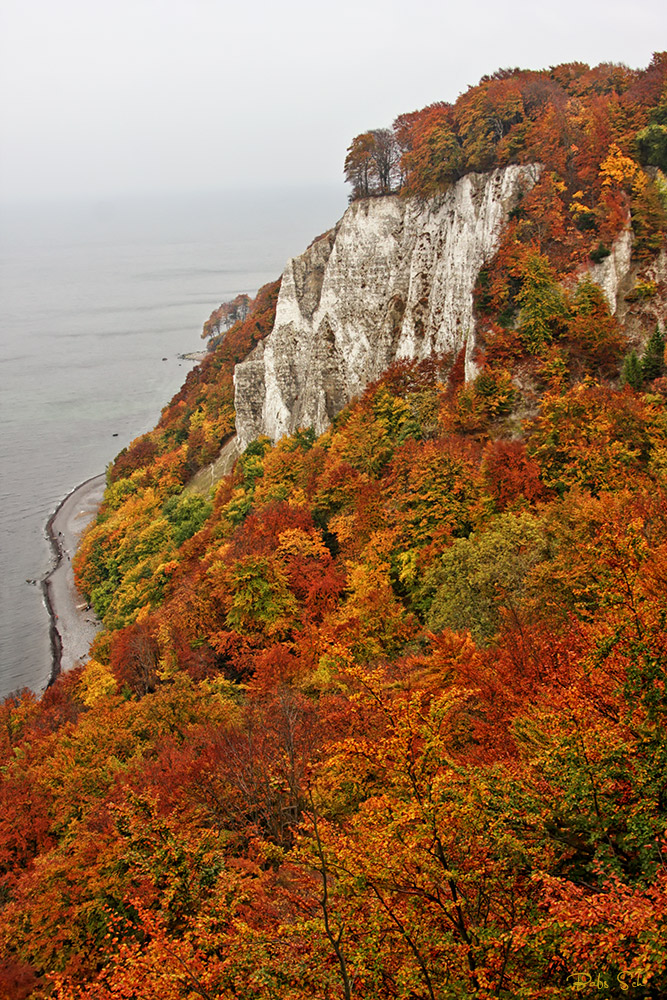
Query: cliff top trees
(567, 118)
(226, 315)
(372, 162)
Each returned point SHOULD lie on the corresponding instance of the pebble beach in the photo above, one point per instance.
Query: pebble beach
(73, 624)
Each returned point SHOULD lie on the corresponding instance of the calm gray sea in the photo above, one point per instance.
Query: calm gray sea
(98, 301)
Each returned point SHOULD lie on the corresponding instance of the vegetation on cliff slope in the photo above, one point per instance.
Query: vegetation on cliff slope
(592, 130)
(383, 717)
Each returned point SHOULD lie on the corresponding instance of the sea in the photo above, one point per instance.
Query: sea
(99, 301)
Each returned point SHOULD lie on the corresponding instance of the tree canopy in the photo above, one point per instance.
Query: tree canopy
(382, 716)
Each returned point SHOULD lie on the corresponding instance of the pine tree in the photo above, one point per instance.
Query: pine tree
(653, 362)
(632, 373)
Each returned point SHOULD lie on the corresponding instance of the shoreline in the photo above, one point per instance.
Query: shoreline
(73, 625)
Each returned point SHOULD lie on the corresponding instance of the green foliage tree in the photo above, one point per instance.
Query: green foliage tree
(638, 371)
(186, 513)
(541, 300)
(632, 373)
(652, 145)
(481, 579)
(653, 359)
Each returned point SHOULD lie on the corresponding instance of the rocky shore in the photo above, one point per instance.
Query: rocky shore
(73, 623)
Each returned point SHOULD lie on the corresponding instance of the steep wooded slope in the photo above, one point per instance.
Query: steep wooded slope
(383, 716)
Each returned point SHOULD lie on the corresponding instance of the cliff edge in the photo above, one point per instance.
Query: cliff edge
(393, 280)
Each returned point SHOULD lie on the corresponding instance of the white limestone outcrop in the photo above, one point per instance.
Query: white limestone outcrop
(612, 273)
(393, 280)
(618, 275)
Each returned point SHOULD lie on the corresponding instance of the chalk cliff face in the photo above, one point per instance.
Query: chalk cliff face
(613, 274)
(393, 280)
(617, 274)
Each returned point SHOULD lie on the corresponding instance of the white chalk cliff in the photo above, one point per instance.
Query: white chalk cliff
(393, 280)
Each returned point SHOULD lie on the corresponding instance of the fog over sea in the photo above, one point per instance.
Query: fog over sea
(98, 301)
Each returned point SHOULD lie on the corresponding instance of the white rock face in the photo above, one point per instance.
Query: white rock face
(394, 280)
(617, 276)
(612, 273)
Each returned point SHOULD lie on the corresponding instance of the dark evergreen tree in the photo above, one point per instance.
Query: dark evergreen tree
(653, 362)
(652, 143)
(632, 371)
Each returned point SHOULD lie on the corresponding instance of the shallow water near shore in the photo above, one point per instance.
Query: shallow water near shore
(99, 300)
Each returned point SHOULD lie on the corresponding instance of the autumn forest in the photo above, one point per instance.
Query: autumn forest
(382, 715)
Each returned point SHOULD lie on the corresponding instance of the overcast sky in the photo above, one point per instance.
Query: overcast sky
(104, 97)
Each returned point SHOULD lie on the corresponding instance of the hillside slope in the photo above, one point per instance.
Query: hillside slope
(383, 715)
